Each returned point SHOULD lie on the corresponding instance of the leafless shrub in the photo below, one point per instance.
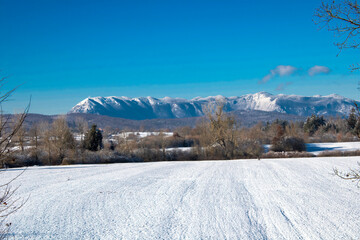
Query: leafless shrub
(179, 155)
(126, 146)
(9, 204)
(288, 144)
(339, 153)
(106, 156)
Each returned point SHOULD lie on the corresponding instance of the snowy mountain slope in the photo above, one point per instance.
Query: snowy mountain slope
(246, 199)
(150, 108)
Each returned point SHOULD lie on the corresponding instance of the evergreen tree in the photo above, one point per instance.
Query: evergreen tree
(313, 123)
(352, 119)
(93, 139)
(356, 130)
(98, 139)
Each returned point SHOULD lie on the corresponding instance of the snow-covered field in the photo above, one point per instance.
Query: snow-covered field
(245, 199)
(142, 134)
(317, 148)
(314, 148)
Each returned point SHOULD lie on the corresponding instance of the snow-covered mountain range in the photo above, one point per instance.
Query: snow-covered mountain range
(151, 108)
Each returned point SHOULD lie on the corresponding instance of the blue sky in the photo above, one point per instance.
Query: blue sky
(64, 51)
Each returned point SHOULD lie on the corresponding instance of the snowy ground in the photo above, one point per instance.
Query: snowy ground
(142, 134)
(181, 149)
(245, 199)
(316, 148)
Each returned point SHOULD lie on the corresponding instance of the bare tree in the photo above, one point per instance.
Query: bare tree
(220, 132)
(82, 127)
(57, 139)
(19, 137)
(9, 127)
(34, 134)
(342, 18)
(223, 131)
(62, 137)
(46, 135)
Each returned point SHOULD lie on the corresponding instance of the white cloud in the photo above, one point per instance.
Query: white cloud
(318, 69)
(281, 71)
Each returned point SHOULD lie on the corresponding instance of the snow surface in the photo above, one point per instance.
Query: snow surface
(244, 199)
(17, 148)
(181, 149)
(317, 148)
(142, 134)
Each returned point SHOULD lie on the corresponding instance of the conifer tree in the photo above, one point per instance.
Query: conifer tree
(313, 123)
(352, 119)
(93, 139)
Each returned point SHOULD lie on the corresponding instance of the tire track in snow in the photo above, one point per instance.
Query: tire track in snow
(219, 208)
(298, 193)
(79, 197)
(247, 199)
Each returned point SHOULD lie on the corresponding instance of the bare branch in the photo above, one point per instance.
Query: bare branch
(352, 175)
(9, 127)
(342, 18)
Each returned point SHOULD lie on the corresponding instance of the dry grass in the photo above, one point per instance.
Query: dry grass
(272, 154)
(339, 153)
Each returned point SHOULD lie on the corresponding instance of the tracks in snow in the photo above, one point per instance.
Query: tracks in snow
(249, 199)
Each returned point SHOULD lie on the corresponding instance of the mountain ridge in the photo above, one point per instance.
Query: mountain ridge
(142, 108)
